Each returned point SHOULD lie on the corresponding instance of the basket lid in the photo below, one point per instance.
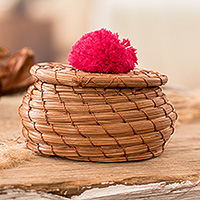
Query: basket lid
(64, 74)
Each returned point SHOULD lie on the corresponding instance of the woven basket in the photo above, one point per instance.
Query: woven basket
(96, 117)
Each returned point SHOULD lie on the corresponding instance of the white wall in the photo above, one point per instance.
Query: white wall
(165, 32)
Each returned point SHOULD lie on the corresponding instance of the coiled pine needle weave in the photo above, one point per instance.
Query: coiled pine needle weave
(96, 117)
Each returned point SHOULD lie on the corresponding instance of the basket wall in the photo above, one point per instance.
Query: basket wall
(99, 124)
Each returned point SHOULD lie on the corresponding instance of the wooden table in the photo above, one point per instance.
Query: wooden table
(174, 174)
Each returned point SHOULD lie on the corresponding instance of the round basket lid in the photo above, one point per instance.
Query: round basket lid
(64, 74)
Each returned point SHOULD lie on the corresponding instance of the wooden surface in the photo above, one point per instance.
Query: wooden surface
(8, 193)
(179, 162)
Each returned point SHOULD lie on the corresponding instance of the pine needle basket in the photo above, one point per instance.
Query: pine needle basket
(96, 117)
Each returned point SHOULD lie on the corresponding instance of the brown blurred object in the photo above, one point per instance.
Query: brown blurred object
(14, 75)
(19, 29)
(4, 52)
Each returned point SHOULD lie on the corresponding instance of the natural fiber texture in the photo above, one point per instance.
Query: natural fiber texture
(63, 74)
(96, 117)
(12, 154)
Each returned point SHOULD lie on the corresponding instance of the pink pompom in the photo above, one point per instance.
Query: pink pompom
(102, 51)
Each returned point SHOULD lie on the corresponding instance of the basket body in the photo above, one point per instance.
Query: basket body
(90, 119)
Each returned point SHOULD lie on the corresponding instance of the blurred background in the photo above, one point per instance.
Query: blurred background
(165, 33)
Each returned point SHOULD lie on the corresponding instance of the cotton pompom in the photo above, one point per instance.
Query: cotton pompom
(102, 51)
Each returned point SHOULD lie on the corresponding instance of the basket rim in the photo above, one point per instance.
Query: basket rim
(65, 74)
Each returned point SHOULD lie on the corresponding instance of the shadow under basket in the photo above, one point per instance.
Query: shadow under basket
(96, 117)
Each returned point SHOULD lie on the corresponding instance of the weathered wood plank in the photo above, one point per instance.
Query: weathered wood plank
(8, 193)
(180, 191)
